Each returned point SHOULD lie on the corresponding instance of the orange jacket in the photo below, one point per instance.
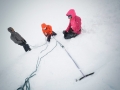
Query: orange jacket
(48, 30)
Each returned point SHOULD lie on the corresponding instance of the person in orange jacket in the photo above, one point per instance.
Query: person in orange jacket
(47, 31)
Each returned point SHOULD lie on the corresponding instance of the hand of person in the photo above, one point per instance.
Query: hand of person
(46, 35)
(24, 41)
(73, 28)
(66, 31)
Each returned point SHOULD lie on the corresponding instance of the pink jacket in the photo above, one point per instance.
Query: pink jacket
(75, 22)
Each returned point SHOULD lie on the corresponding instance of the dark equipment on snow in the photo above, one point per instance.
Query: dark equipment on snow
(75, 63)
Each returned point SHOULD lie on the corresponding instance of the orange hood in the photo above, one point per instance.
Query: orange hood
(43, 25)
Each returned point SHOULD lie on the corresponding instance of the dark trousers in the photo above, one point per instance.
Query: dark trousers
(69, 34)
(49, 36)
(25, 46)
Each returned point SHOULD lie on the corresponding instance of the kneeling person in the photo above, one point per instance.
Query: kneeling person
(47, 31)
(74, 27)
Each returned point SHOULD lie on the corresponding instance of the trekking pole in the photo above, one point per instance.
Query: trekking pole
(74, 62)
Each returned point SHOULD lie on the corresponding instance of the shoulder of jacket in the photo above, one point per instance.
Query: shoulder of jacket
(49, 26)
(16, 33)
(11, 37)
(77, 17)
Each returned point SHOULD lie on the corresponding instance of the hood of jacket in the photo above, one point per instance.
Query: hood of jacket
(43, 25)
(11, 30)
(71, 12)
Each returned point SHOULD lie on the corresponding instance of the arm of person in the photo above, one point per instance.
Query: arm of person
(22, 39)
(68, 28)
(20, 36)
(15, 40)
(44, 32)
(50, 29)
(77, 25)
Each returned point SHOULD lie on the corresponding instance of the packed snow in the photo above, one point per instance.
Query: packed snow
(96, 49)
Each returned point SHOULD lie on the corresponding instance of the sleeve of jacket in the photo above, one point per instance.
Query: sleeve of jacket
(15, 40)
(78, 25)
(20, 36)
(68, 28)
(43, 32)
(50, 29)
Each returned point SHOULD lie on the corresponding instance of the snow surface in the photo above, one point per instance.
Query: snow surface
(97, 49)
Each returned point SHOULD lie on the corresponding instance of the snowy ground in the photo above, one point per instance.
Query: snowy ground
(97, 49)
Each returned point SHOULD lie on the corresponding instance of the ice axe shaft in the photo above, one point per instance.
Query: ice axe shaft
(70, 56)
(74, 62)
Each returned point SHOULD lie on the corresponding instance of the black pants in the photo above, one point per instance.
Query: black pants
(70, 34)
(25, 46)
(49, 36)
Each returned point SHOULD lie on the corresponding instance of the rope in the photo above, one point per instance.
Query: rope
(40, 45)
(26, 85)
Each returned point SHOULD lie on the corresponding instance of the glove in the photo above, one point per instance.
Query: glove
(64, 32)
(24, 41)
(46, 35)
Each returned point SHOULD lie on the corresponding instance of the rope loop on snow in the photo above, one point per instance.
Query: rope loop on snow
(26, 85)
(40, 45)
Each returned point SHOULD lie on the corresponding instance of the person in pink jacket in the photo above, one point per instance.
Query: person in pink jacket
(74, 27)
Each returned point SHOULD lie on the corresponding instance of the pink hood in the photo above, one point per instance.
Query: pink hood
(71, 12)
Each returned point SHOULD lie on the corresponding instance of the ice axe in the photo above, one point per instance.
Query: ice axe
(75, 63)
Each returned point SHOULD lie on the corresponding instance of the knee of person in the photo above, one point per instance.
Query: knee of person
(63, 32)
